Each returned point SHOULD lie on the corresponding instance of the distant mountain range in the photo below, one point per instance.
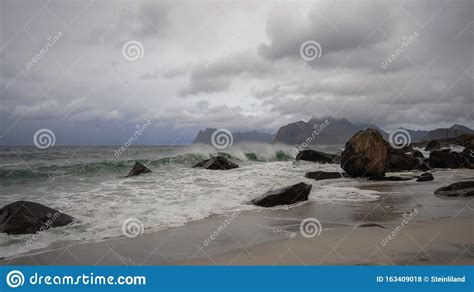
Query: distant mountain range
(324, 130)
(328, 131)
(204, 137)
(441, 133)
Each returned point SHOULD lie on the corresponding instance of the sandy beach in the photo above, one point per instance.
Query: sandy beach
(408, 225)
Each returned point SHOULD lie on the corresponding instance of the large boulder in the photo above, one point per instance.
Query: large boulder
(316, 156)
(284, 196)
(433, 145)
(138, 169)
(446, 159)
(216, 163)
(398, 160)
(425, 177)
(459, 189)
(365, 154)
(24, 217)
(320, 175)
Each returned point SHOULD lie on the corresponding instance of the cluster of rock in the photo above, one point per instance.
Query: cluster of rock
(366, 154)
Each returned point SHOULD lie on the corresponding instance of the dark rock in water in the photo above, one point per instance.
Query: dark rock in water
(398, 160)
(320, 175)
(24, 217)
(138, 169)
(365, 154)
(468, 156)
(459, 189)
(417, 154)
(251, 156)
(388, 178)
(425, 177)
(433, 145)
(316, 156)
(284, 196)
(217, 163)
(371, 225)
(446, 159)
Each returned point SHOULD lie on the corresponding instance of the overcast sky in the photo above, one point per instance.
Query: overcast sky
(229, 64)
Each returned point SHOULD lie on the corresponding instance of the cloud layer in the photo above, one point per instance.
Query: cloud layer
(232, 64)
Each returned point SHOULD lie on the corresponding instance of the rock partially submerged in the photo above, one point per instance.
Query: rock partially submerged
(365, 154)
(425, 177)
(320, 175)
(447, 159)
(459, 189)
(398, 160)
(316, 156)
(216, 163)
(433, 145)
(24, 217)
(284, 196)
(371, 225)
(138, 169)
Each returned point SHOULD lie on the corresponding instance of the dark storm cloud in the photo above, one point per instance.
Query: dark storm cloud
(233, 64)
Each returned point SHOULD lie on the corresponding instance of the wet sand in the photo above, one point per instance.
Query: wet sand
(439, 233)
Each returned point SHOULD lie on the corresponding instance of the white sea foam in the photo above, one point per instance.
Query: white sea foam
(173, 195)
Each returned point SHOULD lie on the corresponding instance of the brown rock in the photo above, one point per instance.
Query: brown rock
(365, 154)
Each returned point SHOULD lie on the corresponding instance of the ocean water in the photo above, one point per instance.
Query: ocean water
(88, 183)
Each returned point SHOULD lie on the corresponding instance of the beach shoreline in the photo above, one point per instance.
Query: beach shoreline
(253, 237)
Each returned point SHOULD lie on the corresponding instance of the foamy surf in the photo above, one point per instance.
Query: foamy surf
(172, 195)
